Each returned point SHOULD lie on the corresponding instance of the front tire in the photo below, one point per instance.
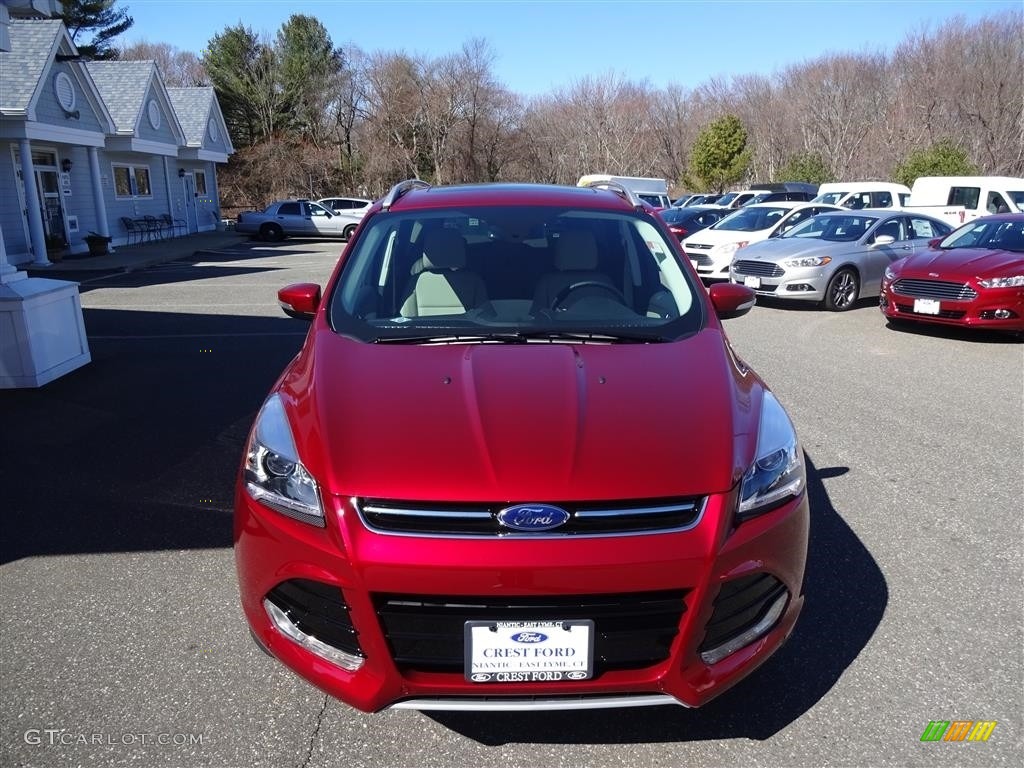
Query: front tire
(347, 234)
(842, 290)
(271, 232)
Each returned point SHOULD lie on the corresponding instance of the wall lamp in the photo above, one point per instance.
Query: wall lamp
(181, 173)
(65, 165)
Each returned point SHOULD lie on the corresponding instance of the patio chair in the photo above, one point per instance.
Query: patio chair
(155, 227)
(134, 229)
(173, 224)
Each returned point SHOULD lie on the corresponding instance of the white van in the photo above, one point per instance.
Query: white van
(863, 194)
(651, 191)
(956, 199)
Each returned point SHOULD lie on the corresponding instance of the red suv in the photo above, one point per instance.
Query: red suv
(518, 465)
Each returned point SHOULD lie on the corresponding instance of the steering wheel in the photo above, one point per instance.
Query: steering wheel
(564, 294)
(571, 288)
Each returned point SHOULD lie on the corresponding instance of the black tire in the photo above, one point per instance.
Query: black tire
(346, 235)
(271, 232)
(842, 291)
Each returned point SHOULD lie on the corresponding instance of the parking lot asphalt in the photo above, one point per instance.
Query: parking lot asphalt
(122, 641)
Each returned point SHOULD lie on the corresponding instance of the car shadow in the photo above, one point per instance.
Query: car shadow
(846, 596)
(138, 451)
(796, 305)
(970, 335)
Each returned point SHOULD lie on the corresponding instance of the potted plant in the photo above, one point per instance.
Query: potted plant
(98, 244)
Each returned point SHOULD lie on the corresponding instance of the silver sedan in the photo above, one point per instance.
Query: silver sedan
(834, 258)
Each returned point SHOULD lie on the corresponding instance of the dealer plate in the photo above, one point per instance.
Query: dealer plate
(752, 282)
(926, 306)
(529, 651)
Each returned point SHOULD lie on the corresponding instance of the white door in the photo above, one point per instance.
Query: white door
(191, 216)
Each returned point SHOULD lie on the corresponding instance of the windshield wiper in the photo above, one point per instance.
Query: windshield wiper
(605, 337)
(455, 338)
(524, 337)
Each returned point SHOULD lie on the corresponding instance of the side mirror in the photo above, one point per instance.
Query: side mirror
(731, 300)
(934, 243)
(883, 240)
(299, 300)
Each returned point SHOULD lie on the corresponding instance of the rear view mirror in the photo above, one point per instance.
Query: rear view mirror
(299, 300)
(731, 300)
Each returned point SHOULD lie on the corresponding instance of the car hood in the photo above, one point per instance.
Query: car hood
(555, 422)
(962, 263)
(712, 236)
(780, 248)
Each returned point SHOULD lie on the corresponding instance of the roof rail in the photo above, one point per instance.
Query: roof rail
(400, 189)
(619, 189)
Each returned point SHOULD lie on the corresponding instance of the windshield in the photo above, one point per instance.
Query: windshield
(837, 227)
(727, 198)
(997, 235)
(831, 198)
(751, 219)
(512, 275)
(1017, 197)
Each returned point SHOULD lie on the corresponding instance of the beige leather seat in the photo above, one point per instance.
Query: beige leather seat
(442, 285)
(576, 259)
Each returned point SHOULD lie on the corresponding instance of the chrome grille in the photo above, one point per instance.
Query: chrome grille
(759, 268)
(699, 246)
(703, 261)
(934, 289)
(589, 519)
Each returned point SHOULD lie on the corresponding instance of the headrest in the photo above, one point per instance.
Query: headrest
(444, 249)
(575, 250)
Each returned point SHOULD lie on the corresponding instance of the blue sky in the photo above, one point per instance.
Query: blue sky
(540, 46)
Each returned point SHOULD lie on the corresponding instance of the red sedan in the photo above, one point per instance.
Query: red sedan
(517, 465)
(972, 278)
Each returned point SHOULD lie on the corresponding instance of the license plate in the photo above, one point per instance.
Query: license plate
(926, 306)
(752, 282)
(529, 651)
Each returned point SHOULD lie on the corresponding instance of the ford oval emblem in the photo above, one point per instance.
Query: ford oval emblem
(480, 677)
(529, 637)
(576, 675)
(533, 517)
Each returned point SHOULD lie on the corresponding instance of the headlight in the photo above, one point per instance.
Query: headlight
(727, 248)
(808, 261)
(889, 273)
(274, 476)
(1017, 281)
(777, 474)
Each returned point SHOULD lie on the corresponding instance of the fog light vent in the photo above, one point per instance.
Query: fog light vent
(315, 616)
(745, 609)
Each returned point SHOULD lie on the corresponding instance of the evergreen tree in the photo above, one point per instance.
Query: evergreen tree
(719, 157)
(99, 17)
(941, 159)
(806, 166)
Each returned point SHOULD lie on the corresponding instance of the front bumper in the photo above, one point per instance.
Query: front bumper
(374, 572)
(804, 283)
(996, 308)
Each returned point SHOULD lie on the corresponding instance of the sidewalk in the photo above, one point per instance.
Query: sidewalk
(130, 258)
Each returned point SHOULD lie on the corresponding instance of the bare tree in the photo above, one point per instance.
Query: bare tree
(180, 69)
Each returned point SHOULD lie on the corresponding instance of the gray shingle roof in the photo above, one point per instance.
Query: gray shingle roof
(23, 65)
(192, 106)
(123, 86)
